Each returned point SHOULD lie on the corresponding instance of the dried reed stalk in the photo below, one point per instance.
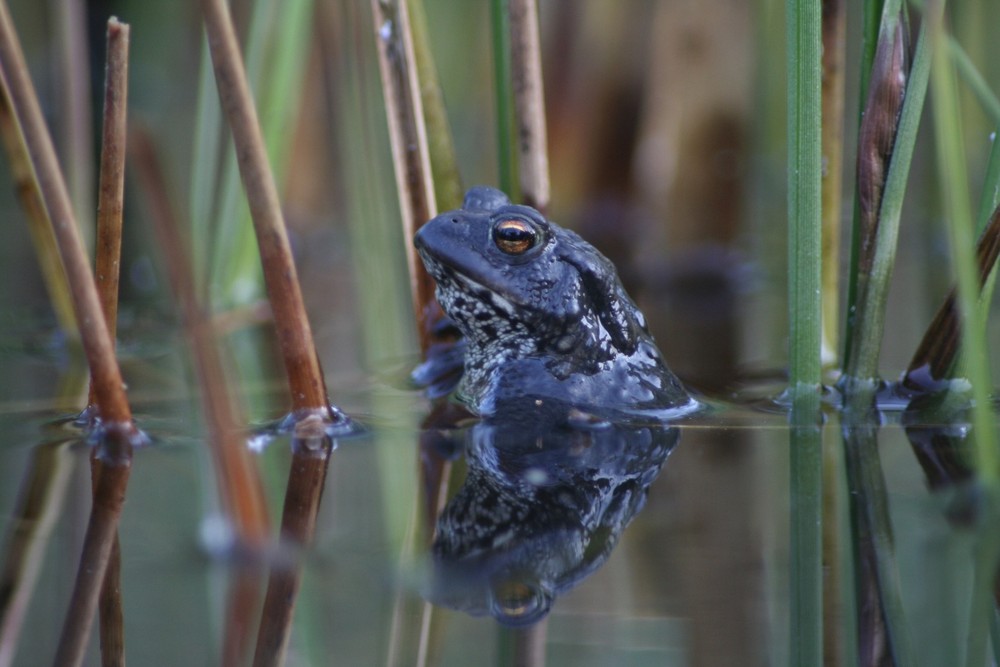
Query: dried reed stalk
(529, 103)
(408, 137)
(937, 352)
(877, 136)
(112, 405)
(111, 194)
(305, 378)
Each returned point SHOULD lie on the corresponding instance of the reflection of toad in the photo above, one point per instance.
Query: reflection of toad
(544, 502)
(542, 313)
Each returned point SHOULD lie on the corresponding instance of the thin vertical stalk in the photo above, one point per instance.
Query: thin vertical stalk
(503, 90)
(42, 236)
(861, 364)
(111, 184)
(311, 447)
(804, 192)
(883, 635)
(112, 406)
(74, 101)
(440, 147)
(408, 137)
(274, 56)
(115, 443)
(952, 174)
(871, 29)
(803, 53)
(806, 550)
(204, 171)
(834, 56)
(110, 203)
(529, 104)
(306, 383)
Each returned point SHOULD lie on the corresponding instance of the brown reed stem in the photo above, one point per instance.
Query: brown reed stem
(937, 352)
(311, 447)
(112, 404)
(111, 184)
(408, 137)
(239, 483)
(116, 441)
(529, 103)
(305, 378)
(111, 618)
(111, 193)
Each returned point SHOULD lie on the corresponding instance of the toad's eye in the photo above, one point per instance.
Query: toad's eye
(514, 237)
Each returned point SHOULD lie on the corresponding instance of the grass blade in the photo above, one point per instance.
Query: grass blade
(503, 87)
(804, 46)
(952, 173)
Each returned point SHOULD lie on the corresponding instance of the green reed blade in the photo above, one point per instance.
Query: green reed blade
(953, 178)
(204, 169)
(502, 85)
(448, 188)
(804, 192)
(804, 68)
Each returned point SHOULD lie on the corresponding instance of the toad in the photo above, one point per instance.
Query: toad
(543, 314)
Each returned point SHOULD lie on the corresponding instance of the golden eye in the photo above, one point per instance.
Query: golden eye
(514, 236)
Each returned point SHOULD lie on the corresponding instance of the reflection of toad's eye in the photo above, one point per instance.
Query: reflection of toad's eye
(514, 237)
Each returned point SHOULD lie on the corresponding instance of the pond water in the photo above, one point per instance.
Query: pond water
(699, 573)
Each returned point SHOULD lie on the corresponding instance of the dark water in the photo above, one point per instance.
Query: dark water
(644, 544)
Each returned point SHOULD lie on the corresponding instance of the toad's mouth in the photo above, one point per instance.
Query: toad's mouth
(449, 279)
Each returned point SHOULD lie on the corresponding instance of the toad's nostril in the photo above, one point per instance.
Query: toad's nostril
(455, 220)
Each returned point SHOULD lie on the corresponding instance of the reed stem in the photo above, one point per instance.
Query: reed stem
(503, 90)
(952, 174)
(804, 58)
(112, 405)
(834, 56)
(448, 189)
(408, 138)
(861, 363)
(306, 383)
(110, 204)
(529, 104)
